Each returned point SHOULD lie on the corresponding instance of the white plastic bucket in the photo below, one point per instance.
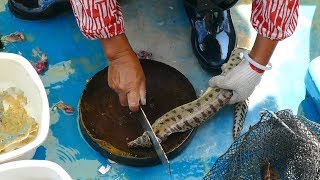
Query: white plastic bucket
(32, 170)
(16, 71)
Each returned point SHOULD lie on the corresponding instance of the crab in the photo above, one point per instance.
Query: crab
(63, 107)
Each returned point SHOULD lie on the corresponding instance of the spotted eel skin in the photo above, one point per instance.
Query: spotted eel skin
(192, 114)
(240, 113)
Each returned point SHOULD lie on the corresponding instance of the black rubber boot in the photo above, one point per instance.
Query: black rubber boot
(32, 10)
(213, 36)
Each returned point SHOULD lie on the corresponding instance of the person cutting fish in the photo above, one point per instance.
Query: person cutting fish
(274, 21)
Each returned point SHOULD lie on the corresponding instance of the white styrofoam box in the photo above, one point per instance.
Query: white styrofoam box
(16, 71)
(32, 170)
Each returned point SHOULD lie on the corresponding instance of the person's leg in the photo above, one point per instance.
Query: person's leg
(213, 36)
(38, 9)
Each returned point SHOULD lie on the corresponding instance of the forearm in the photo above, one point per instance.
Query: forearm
(262, 49)
(272, 25)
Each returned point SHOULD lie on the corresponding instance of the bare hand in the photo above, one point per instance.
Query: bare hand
(125, 74)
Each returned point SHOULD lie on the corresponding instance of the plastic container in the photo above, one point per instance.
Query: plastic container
(312, 82)
(16, 71)
(32, 170)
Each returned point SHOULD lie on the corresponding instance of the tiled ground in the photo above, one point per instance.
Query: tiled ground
(162, 28)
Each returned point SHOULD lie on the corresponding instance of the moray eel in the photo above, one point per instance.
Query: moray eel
(270, 173)
(192, 114)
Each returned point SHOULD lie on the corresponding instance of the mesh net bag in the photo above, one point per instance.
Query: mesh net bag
(287, 144)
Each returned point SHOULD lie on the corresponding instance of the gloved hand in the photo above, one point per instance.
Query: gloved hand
(125, 74)
(242, 79)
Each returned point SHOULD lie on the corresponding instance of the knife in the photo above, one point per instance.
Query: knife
(157, 146)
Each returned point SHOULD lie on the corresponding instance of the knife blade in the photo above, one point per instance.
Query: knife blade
(157, 146)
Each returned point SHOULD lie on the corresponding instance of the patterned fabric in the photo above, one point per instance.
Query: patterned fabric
(273, 19)
(98, 19)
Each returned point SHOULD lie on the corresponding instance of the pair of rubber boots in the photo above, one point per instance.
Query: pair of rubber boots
(212, 37)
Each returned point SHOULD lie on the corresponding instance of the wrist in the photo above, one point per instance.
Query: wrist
(254, 65)
(262, 50)
(260, 71)
(117, 47)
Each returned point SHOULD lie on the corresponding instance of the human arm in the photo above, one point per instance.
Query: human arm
(271, 27)
(103, 20)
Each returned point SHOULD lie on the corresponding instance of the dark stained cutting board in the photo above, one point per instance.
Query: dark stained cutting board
(107, 126)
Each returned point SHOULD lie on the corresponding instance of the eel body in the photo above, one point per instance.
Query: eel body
(270, 173)
(240, 112)
(192, 114)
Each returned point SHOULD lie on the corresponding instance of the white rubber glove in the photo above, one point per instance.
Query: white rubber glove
(242, 79)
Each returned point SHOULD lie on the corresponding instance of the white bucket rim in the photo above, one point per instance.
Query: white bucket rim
(35, 163)
(45, 114)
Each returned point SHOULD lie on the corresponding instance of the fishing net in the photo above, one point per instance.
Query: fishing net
(289, 143)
